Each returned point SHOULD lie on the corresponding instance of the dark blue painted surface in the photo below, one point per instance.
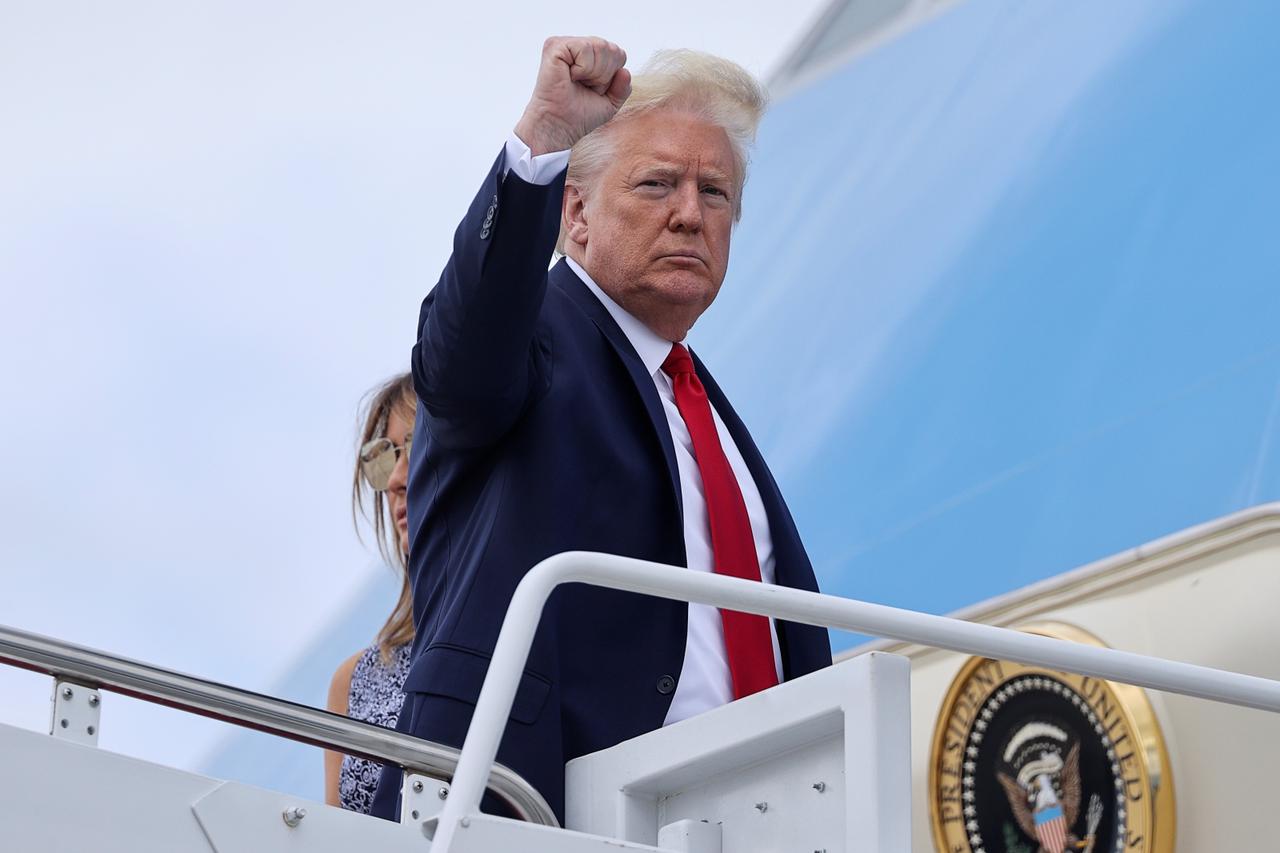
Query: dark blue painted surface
(1006, 295)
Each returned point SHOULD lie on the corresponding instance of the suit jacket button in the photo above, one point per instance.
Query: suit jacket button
(666, 684)
(486, 228)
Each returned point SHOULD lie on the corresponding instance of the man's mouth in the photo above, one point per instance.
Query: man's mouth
(684, 259)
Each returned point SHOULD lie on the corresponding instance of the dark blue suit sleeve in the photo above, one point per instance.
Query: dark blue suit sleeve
(482, 356)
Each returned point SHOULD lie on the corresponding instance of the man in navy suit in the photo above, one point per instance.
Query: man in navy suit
(559, 410)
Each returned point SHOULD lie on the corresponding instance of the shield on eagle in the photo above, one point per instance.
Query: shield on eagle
(1051, 829)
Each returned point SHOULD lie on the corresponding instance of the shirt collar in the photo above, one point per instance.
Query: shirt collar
(652, 348)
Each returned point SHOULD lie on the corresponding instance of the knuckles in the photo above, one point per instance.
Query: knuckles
(597, 54)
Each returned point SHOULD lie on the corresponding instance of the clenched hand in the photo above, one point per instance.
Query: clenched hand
(581, 84)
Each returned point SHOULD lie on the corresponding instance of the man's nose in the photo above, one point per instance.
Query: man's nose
(686, 211)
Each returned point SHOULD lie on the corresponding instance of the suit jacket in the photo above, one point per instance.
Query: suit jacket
(539, 431)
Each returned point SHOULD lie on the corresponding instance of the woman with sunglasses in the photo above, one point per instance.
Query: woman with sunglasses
(367, 685)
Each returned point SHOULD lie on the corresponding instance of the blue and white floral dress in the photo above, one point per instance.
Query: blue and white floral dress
(375, 697)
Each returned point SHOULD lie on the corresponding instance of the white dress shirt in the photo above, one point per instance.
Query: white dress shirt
(538, 170)
(704, 682)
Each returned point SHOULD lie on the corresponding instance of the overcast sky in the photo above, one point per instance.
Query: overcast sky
(216, 223)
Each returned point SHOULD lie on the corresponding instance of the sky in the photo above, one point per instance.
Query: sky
(216, 223)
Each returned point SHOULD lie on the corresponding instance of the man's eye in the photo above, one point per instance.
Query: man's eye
(653, 182)
(715, 191)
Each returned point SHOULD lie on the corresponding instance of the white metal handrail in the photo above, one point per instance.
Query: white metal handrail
(301, 723)
(480, 748)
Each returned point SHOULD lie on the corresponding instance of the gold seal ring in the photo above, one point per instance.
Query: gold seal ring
(1031, 760)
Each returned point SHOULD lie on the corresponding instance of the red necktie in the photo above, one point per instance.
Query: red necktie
(746, 636)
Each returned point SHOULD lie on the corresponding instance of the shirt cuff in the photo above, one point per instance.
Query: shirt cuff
(540, 170)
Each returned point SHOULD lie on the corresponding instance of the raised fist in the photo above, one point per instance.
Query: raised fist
(581, 84)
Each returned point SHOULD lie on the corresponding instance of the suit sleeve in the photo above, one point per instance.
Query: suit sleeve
(481, 355)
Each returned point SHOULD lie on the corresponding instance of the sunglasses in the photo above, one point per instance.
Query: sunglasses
(378, 459)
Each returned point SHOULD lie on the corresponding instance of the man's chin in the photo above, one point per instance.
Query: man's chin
(685, 287)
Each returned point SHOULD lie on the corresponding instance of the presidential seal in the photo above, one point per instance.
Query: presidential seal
(1029, 760)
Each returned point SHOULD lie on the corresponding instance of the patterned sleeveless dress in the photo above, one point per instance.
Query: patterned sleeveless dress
(375, 698)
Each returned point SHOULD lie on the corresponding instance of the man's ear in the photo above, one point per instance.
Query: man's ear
(574, 215)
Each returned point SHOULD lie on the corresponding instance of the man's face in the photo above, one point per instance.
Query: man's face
(653, 231)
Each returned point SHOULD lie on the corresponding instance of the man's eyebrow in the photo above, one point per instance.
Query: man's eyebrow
(665, 169)
(657, 168)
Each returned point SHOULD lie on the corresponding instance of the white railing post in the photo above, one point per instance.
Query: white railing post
(877, 744)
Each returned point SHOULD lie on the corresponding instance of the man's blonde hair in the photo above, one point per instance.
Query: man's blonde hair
(717, 90)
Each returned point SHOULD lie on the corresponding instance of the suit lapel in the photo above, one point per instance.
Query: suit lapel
(788, 552)
(582, 296)
(790, 562)
(755, 462)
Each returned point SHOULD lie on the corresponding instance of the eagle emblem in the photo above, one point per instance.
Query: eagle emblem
(1045, 798)
(1044, 795)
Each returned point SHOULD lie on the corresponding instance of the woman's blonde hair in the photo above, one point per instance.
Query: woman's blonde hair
(717, 90)
(395, 396)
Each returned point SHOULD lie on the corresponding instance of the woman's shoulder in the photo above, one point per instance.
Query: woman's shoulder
(340, 684)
